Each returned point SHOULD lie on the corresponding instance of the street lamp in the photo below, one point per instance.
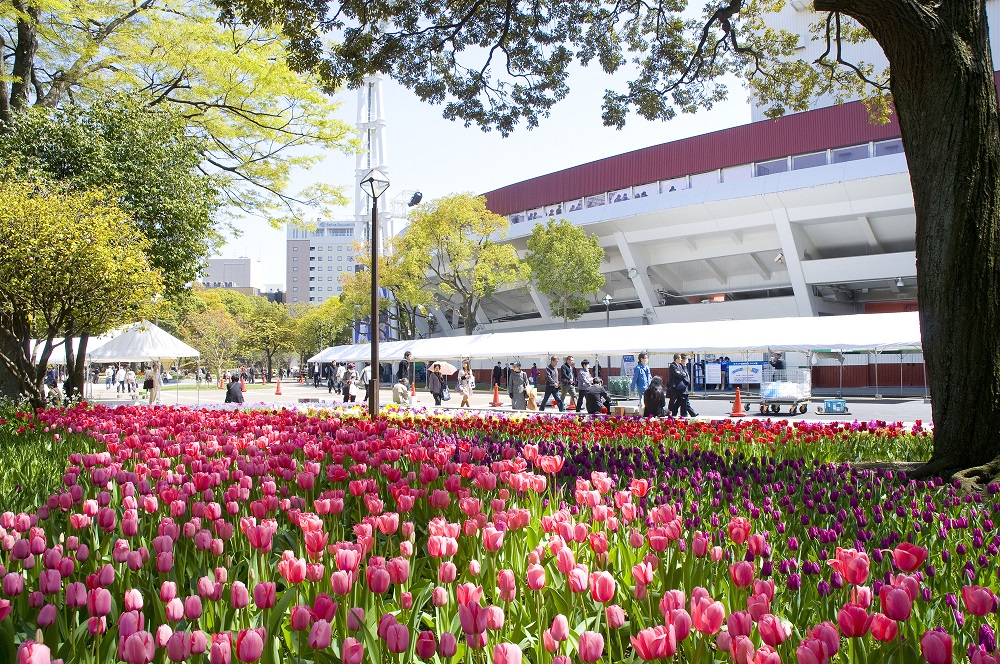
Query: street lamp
(607, 321)
(374, 184)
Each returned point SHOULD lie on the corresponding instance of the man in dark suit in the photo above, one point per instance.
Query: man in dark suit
(597, 397)
(497, 374)
(234, 394)
(404, 367)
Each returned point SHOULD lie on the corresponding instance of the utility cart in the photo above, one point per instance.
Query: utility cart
(790, 389)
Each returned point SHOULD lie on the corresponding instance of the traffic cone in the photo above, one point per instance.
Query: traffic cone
(243, 385)
(221, 386)
(737, 406)
(302, 379)
(496, 396)
(413, 389)
(572, 403)
(278, 391)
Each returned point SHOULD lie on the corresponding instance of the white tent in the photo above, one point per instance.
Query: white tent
(142, 342)
(855, 332)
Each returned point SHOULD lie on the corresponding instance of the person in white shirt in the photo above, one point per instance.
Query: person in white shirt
(154, 391)
(120, 380)
(130, 380)
(109, 377)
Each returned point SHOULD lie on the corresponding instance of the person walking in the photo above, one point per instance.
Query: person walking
(653, 400)
(534, 373)
(234, 393)
(109, 377)
(351, 377)
(466, 383)
(598, 399)
(435, 383)
(680, 383)
(120, 380)
(366, 381)
(497, 374)
(552, 384)
(156, 380)
(517, 388)
(641, 376)
(583, 383)
(403, 370)
(567, 379)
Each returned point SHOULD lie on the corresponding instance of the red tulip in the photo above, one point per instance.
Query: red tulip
(425, 646)
(884, 628)
(909, 557)
(854, 620)
(739, 529)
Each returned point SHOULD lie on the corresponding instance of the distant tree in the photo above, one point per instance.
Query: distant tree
(73, 266)
(215, 334)
(268, 330)
(319, 326)
(403, 273)
(565, 266)
(462, 243)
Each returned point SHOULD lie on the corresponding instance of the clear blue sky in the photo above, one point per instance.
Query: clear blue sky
(440, 157)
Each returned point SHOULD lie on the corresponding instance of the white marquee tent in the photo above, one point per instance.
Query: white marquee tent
(141, 342)
(876, 332)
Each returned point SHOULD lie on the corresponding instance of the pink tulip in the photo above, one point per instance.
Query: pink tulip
(33, 653)
(536, 577)
(896, 604)
(139, 648)
(766, 655)
(616, 616)
(162, 636)
(425, 646)
(773, 630)
(355, 619)
(98, 602)
(827, 633)
(884, 628)
(811, 651)
(655, 643)
(192, 607)
(133, 600)
(174, 610)
(743, 650)
(352, 651)
(742, 573)
(979, 601)
(301, 618)
(264, 594)
(935, 646)
(448, 645)
(178, 647)
(508, 653)
(494, 618)
(320, 635)
(250, 644)
(602, 587)
(853, 565)
(239, 596)
(739, 530)
(398, 638)
(590, 646)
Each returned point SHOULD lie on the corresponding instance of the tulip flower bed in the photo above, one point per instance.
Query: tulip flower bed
(244, 536)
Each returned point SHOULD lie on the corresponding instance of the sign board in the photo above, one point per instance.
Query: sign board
(628, 367)
(713, 373)
(746, 373)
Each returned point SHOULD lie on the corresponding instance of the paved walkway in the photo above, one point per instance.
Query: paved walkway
(712, 405)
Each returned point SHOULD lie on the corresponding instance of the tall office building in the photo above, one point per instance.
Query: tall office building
(316, 259)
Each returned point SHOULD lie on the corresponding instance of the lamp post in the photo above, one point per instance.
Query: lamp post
(374, 184)
(607, 323)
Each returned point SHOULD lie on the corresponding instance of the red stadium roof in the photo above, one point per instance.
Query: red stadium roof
(799, 133)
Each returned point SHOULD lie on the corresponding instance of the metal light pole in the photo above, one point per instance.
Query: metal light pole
(607, 323)
(374, 184)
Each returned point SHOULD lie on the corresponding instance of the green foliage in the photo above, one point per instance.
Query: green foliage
(461, 241)
(403, 272)
(34, 461)
(565, 266)
(73, 264)
(318, 326)
(233, 85)
(497, 65)
(145, 156)
(268, 330)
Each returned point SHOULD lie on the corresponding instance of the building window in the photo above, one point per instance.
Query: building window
(295, 299)
(295, 278)
(329, 248)
(340, 288)
(329, 288)
(885, 148)
(853, 153)
(295, 248)
(295, 289)
(340, 268)
(329, 278)
(350, 259)
(808, 161)
(295, 259)
(340, 258)
(295, 268)
(340, 248)
(772, 167)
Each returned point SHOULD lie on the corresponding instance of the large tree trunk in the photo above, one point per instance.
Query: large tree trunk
(4, 93)
(76, 366)
(944, 90)
(24, 56)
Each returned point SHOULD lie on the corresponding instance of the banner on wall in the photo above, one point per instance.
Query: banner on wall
(713, 373)
(746, 373)
(628, 365)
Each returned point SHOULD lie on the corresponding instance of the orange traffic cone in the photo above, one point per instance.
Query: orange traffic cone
(496, 396)
(572, 403)
(413, 389)
(243, 385)
(737, 406)
(221, 386)
(278, 391)
(302, 379)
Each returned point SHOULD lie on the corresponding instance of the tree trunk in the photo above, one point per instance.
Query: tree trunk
(4, 94)
(24, 56)
(268, 355)
(76, 366)
(944, 90)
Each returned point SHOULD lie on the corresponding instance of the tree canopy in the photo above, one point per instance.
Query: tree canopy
(565, 266)
(233, 85)
(73, 265)
(461, 241)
